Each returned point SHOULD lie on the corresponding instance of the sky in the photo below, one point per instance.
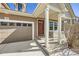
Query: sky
(75, 7)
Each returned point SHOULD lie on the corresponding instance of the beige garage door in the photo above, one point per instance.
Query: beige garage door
(15, 33)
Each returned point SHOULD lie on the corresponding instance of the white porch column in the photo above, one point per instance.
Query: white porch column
(24, 7)
(59, 27)
(16, 4)
(47, 27)
(53, 27)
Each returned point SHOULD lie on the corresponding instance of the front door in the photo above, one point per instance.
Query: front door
(40, 27)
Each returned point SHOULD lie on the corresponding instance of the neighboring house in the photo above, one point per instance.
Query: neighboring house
(46, 18)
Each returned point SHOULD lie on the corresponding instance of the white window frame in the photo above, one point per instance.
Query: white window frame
(53, 26)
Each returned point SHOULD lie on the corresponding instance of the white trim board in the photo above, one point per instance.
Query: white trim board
(16, 21)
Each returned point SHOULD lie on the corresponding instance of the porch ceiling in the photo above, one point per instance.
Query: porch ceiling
(52, 15)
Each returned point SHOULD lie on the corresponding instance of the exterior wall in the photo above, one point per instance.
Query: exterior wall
(22, 18)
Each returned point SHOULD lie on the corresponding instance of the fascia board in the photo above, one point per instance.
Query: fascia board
(15, 12)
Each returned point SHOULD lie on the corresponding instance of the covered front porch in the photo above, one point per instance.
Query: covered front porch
(54, 19)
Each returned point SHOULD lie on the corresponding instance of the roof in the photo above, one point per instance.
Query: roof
(24, 9)
(29, 8)
(32, 9)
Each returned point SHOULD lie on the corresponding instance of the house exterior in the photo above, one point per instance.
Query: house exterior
(45, 21)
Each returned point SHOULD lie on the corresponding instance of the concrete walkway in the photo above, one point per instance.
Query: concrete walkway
(30, 48)
(26, 48)
(58, 50)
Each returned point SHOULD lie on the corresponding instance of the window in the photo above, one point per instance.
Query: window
(18, 24)
(4, 23)
(51, 25)
(19, 7)
(24, 24)
(11, 24)
(55, 25)
(29, 25)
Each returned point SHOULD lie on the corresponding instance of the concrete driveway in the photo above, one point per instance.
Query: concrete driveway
(25, 48)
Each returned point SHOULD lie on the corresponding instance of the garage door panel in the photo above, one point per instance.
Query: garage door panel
(20, 34)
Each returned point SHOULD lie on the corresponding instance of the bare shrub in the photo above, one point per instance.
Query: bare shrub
(72, 35)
